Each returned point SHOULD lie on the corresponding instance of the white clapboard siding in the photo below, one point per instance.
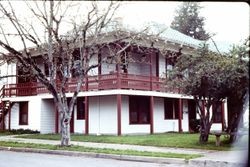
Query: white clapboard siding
(103, 115)
(47, 116)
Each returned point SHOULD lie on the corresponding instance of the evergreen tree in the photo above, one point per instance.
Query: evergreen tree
(188, 21)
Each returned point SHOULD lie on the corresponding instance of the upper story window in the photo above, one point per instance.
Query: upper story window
(171, 59)
(46, 69)
(25, 75)
(76, 70)
(169, 66)
(124, 62)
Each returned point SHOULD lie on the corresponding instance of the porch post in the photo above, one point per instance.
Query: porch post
(56, 119)
(118, 76)
(180, 115)
(151, 114)
(86, 108)
(99, 64)
(9, 111)
(151, 71)
(222, 116)
(3, 120)
(119, 101)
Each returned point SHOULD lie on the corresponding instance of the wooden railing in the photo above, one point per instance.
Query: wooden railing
(99, 82)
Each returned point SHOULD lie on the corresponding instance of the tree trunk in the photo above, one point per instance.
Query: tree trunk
(235, 110)
(204, 134)
(234, 128)
(205, 127)
(65, 130)
(203, 137)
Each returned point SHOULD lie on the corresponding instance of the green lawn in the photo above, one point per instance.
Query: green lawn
(180, 140)
(98, 150)
(5, 133)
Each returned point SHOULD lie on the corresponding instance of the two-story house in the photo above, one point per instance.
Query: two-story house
(130, 98)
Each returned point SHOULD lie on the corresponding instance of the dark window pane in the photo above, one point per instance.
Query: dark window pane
(80, 108)
(46, 69)
(168, 108)
(176, 108)
(23, 113)
(139, 112)
(192, 109)
(217, 113)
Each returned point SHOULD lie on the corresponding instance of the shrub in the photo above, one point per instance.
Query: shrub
(23, 131)
(195, 125)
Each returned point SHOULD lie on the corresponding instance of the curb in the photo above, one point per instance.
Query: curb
(100, 155)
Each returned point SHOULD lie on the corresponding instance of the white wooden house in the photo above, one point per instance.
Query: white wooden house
(114, 100)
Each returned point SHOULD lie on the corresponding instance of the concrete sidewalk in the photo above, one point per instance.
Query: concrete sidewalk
(234, 158)
(211, 158)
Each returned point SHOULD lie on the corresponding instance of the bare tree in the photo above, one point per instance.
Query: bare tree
(64, 53)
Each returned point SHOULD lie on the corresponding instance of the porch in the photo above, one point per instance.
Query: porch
(92, 83)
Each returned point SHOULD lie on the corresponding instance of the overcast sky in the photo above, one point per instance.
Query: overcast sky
(229, 20)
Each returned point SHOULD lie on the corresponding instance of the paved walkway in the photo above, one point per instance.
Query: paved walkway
(108, 145)
(211, 157)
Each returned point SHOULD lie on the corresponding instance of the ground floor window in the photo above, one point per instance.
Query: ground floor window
(171, 108)
(23, 113)
(80, 108)
(217, 117)
(192, 109)
(139, 112)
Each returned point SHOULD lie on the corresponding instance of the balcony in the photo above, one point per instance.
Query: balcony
(93, 83)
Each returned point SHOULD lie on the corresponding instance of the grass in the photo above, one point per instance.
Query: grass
(98, 150)
(179, 140)
(5, 133)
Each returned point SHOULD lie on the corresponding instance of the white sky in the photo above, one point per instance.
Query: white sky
(229, 20)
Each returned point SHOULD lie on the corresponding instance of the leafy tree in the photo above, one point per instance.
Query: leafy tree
(188, 21)
(211, 78)
(239, 88)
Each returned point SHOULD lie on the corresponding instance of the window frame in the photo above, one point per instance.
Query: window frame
(23, 109)
(174, 109)
(46, 69)
(80, 100)
(140, 106)
(168, 105)
(217, 113)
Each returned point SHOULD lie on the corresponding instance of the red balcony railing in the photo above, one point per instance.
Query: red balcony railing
(99, 82)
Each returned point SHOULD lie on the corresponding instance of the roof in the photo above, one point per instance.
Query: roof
(160, 31)
(175, 36)
(170, 35)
